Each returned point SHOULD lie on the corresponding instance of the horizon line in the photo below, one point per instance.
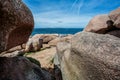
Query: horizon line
(56, 27)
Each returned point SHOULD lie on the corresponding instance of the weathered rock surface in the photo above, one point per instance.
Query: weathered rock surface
(20, 68)
(46, 37)
(45, 57)
(39, 41)
(90, 56)
(105, 24)
(12, 54)
(14, 51)
(55, 41)
(16, 23)
(98, 24)
(115, 17)
(62, 61)
(33, 45)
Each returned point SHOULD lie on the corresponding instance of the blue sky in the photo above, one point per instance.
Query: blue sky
(68, 13)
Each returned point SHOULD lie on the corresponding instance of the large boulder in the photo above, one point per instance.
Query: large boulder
(61, 60)
(99, 24)
(90, 56)
(115, 17)
(105, 24)
(16, 23)
(20, 68)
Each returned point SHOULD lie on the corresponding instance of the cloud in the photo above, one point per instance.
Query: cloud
(68, 13)
(61, 20)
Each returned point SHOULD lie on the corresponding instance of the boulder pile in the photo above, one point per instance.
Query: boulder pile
(105, 24)
(93, 54)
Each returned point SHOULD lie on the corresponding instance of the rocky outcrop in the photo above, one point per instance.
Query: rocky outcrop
(16, 23)
(115, 17)
(20, 68)
(45, 41)
(55, 41)
(13, 52)
(98, 24)
(46, 37)
(90, 56)
(45, 57)
(61, 61)
(105, 24)
(33, 45)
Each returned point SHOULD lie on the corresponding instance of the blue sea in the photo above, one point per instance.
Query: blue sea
(56, 30)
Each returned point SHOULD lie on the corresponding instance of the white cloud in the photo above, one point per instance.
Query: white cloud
(60, 15)
(59, 19)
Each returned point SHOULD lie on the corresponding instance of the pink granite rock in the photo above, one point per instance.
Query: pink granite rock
(16, 23)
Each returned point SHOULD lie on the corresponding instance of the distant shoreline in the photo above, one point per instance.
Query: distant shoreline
(58, 28)
(61, 31)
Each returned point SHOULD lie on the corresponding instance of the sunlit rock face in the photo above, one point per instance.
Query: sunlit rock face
(89, 56)
(16, 23)
(105, 24)
(98, 24)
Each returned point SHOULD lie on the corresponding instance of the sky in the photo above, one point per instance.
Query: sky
(68, 13)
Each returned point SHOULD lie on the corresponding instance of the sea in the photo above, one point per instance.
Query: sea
(62, 31)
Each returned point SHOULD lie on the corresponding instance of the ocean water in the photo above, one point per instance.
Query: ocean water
(56, 30)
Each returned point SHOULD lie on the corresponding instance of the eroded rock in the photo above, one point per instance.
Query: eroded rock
(16, 23)
(98, 24)
(46, 37)
(90, 56)
(105, 24)
(34, 45)
(55, 41)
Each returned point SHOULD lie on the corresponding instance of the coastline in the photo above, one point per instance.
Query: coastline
(60, 31)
